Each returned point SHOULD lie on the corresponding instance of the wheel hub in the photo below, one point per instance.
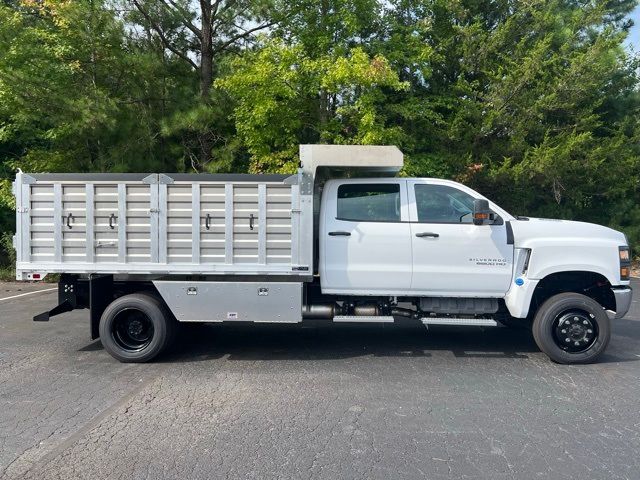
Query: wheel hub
(575, 331)
(132, 330)
(135, 328)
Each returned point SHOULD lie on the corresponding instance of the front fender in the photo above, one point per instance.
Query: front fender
(601, 258)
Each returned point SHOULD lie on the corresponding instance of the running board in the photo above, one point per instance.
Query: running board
(363, 318)
(460, 322)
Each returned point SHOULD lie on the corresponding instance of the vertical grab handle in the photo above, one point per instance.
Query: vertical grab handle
(251, 219)
(207, 222)
(69, 219)
(111, 219)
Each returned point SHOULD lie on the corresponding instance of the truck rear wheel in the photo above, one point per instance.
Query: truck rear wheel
(572, 328)
(136, 328)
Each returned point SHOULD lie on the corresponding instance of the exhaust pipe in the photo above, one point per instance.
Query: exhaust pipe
(366, 310)
(319, 311)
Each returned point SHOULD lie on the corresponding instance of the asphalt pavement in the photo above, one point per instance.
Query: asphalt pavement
(314, 402)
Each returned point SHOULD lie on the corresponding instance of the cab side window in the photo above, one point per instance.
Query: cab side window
(443, 204)
(367, 202)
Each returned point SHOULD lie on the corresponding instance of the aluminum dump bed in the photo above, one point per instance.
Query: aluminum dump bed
(162, 223)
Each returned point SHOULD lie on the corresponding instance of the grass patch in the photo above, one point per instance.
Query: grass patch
(7, 273)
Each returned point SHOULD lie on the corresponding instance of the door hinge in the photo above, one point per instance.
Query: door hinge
(154, 210)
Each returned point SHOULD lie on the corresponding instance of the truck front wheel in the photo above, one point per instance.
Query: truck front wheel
(572, 328)
(136, 328)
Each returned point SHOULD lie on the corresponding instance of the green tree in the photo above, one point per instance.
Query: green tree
(535, 103)
(315, 79)
(76, 94)
(284, 97)
(200, 34)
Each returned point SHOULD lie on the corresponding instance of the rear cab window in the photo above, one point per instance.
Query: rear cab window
(369, 202)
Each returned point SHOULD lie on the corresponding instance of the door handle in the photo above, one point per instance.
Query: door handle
(339, 234)
(427, 234)
(69, 220)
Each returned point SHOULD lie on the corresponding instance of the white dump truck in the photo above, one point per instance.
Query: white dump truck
(343, 240)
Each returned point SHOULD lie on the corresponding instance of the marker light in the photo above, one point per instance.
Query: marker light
(625, 273)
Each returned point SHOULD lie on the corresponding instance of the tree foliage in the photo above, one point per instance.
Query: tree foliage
(535, 103)
(285, 97)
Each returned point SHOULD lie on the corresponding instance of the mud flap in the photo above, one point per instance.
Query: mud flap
(100, 295)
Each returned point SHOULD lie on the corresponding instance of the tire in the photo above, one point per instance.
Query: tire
(572, 328)
(136, 328)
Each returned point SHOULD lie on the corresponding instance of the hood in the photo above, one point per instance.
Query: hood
(527, 233)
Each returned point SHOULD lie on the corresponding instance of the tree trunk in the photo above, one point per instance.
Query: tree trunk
(206, 52)
(206, 78)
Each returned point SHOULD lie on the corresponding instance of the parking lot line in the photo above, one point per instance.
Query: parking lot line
(29, 293)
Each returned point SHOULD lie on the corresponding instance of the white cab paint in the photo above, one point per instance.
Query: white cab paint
(464, 260)
(386, 258)
(374, 259)
(563, 246)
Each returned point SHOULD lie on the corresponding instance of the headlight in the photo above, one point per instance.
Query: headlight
(625, 262)
(624, 254)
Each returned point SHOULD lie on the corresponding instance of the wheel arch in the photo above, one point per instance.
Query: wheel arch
(104, 290)
(590, 283)
(523, 301)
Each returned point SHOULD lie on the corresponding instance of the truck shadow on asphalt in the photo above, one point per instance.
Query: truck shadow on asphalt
(203, 342)
(283, 342)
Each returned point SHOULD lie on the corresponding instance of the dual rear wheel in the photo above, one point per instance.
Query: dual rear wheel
(136, 328)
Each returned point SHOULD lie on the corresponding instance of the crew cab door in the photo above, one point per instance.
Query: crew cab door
(451, 255)
(365, 237)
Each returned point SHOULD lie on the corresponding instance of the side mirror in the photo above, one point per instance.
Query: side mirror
(481, 211)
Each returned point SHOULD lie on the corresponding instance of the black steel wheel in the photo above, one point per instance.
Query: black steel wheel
(572, 328)
(575, 331)
(136, 328)
(132, 329)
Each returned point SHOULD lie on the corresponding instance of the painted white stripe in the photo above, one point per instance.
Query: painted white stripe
(29, 293)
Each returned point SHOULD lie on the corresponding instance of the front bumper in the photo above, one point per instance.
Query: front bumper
(623, 296)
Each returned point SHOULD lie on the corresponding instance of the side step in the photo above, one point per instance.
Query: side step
(363, 318)
(460, 322)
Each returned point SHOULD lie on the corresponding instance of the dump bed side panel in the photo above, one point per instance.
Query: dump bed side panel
(200, 224)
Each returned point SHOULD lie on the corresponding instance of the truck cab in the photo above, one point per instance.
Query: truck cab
(425, 241)
(412, 237)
